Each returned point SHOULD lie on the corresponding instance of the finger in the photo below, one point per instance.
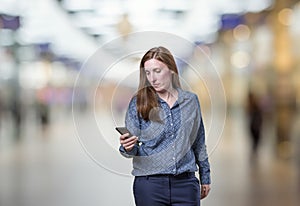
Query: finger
(130, 141)
(127, 139)
(129, 147)
(203, 195)
(124, 136)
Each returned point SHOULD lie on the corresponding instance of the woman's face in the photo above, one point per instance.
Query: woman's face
(158, 75)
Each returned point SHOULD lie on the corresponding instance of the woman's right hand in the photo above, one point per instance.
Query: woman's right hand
(128, 142)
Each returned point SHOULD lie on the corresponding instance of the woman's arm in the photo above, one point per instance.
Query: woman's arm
(199, 148)
(129, 146)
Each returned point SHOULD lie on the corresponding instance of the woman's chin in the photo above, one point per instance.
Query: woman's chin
(160, 90)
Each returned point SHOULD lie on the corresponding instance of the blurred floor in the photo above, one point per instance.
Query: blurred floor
(51, 168)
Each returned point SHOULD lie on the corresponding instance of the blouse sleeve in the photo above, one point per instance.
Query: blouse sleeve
(199, 148)
(133, 125)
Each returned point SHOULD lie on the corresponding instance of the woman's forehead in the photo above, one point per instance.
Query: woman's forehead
(153, 63)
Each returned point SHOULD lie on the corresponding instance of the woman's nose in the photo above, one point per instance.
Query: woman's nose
(151, 77)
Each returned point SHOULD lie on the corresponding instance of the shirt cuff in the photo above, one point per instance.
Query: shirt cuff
(205, 179)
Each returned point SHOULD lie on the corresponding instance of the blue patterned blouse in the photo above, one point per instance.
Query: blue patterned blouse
(173, 146)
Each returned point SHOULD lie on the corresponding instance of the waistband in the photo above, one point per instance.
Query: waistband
(182, 175)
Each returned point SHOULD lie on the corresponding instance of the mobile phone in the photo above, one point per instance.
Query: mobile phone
(123, 130)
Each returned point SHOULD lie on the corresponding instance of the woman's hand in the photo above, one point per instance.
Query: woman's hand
(204, 190)
(128, 142)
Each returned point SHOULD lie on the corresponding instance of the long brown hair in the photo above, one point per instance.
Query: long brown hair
(147, 100)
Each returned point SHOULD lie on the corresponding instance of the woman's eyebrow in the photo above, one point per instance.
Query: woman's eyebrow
(155, 68)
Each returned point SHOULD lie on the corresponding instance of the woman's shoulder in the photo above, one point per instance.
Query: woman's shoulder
(132, 107)
(187, 94)
(133, 100)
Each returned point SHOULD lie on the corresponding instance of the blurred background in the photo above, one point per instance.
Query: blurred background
(57, 140)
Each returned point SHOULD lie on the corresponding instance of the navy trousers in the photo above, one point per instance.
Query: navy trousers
(167, 190)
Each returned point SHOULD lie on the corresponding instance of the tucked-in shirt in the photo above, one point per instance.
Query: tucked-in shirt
(174, 145)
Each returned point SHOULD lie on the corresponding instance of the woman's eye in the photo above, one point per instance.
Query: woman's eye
(158, 71)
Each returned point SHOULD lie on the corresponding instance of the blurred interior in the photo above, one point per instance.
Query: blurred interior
(59, 104)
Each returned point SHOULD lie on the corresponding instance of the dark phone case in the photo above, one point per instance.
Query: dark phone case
(123, 130)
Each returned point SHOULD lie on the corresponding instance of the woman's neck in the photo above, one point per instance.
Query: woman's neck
(170, 96)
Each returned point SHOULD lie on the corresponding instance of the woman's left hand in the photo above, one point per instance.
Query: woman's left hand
(204, 190)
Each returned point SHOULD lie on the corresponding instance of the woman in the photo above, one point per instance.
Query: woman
(168, 142)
